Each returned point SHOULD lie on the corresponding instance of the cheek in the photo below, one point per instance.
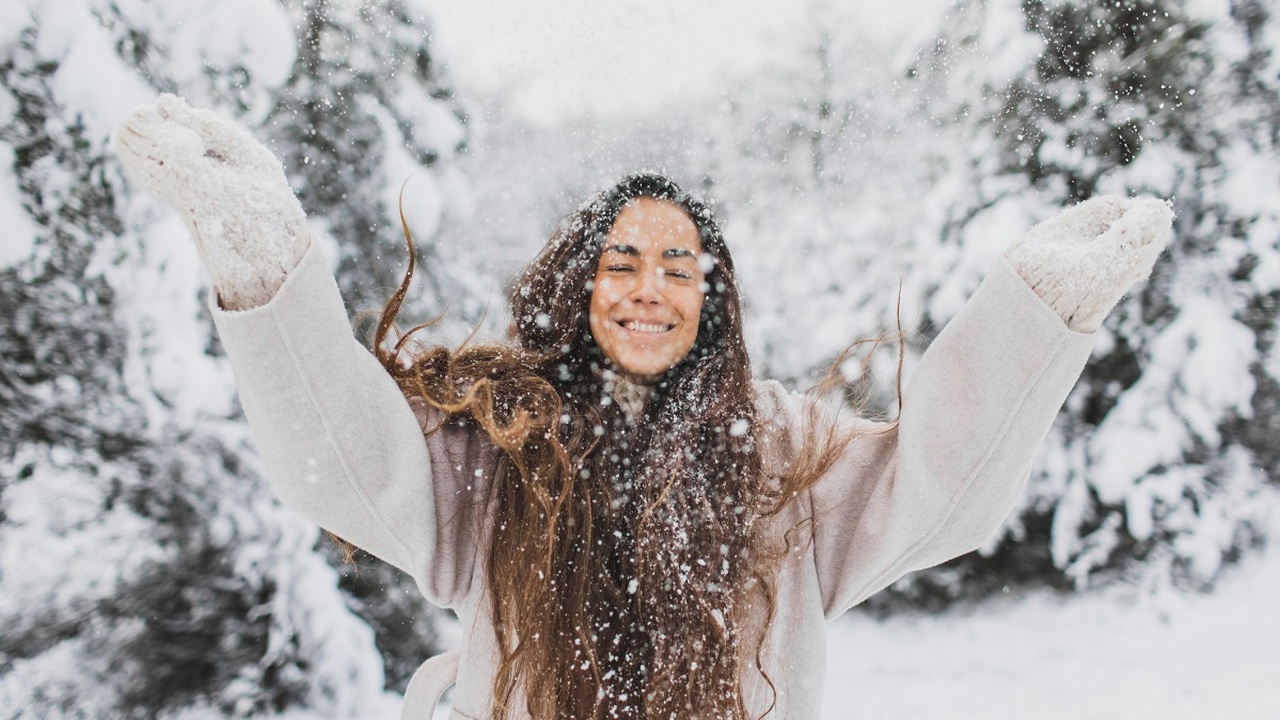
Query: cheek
(605, 293)
(598, 310)
(692, 308)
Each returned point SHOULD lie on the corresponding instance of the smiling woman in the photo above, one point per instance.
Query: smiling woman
(627, 523)
(625, 543)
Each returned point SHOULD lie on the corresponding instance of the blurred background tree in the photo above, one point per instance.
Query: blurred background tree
(146, 568)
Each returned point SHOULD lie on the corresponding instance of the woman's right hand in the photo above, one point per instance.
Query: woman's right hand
(247, 224)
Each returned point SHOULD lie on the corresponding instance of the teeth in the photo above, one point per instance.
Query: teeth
(634, 326)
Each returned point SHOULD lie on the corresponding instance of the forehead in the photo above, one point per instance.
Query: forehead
(650, 223)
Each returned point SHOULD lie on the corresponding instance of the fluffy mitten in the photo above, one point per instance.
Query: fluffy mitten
(1083, 260)
(247, 225)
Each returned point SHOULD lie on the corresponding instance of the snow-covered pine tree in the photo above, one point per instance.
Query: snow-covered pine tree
(1165, 454)
(363, 114)
(146, 571)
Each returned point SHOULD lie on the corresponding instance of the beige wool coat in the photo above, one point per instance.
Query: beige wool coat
(343, 448)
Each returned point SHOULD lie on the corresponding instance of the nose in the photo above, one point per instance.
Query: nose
(648, 287)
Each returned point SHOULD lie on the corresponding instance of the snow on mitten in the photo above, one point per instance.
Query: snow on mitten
(1083, 260)
(248, 227)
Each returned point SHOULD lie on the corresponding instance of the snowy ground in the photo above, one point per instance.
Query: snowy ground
(1093, 657)
(1099, 656)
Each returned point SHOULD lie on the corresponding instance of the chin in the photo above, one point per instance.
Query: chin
(645, 370)
(643, 374)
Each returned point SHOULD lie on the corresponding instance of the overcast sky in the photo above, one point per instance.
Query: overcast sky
(558, 59)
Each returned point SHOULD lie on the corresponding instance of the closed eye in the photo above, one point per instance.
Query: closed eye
(677, 272)
(619, 268)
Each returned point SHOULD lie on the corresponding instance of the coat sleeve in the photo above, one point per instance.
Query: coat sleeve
(974, 414)
(341, 444)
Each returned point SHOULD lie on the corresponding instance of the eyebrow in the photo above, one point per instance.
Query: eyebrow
(631, 250)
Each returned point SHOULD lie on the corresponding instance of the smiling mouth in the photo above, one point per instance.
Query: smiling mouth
(646, 328)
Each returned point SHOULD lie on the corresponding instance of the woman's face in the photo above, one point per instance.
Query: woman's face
(647, 295)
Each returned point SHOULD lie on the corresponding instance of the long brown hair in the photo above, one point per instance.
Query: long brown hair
(626, 552)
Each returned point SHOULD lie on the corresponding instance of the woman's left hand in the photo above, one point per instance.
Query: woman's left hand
(1083, 260)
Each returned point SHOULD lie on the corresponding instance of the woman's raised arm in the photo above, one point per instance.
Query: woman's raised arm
(980, 403)
(341, 445)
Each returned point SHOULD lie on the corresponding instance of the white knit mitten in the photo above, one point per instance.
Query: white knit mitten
(247, 225)
(1083, 260)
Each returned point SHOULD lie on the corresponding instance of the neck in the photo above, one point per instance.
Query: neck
(630, 394)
